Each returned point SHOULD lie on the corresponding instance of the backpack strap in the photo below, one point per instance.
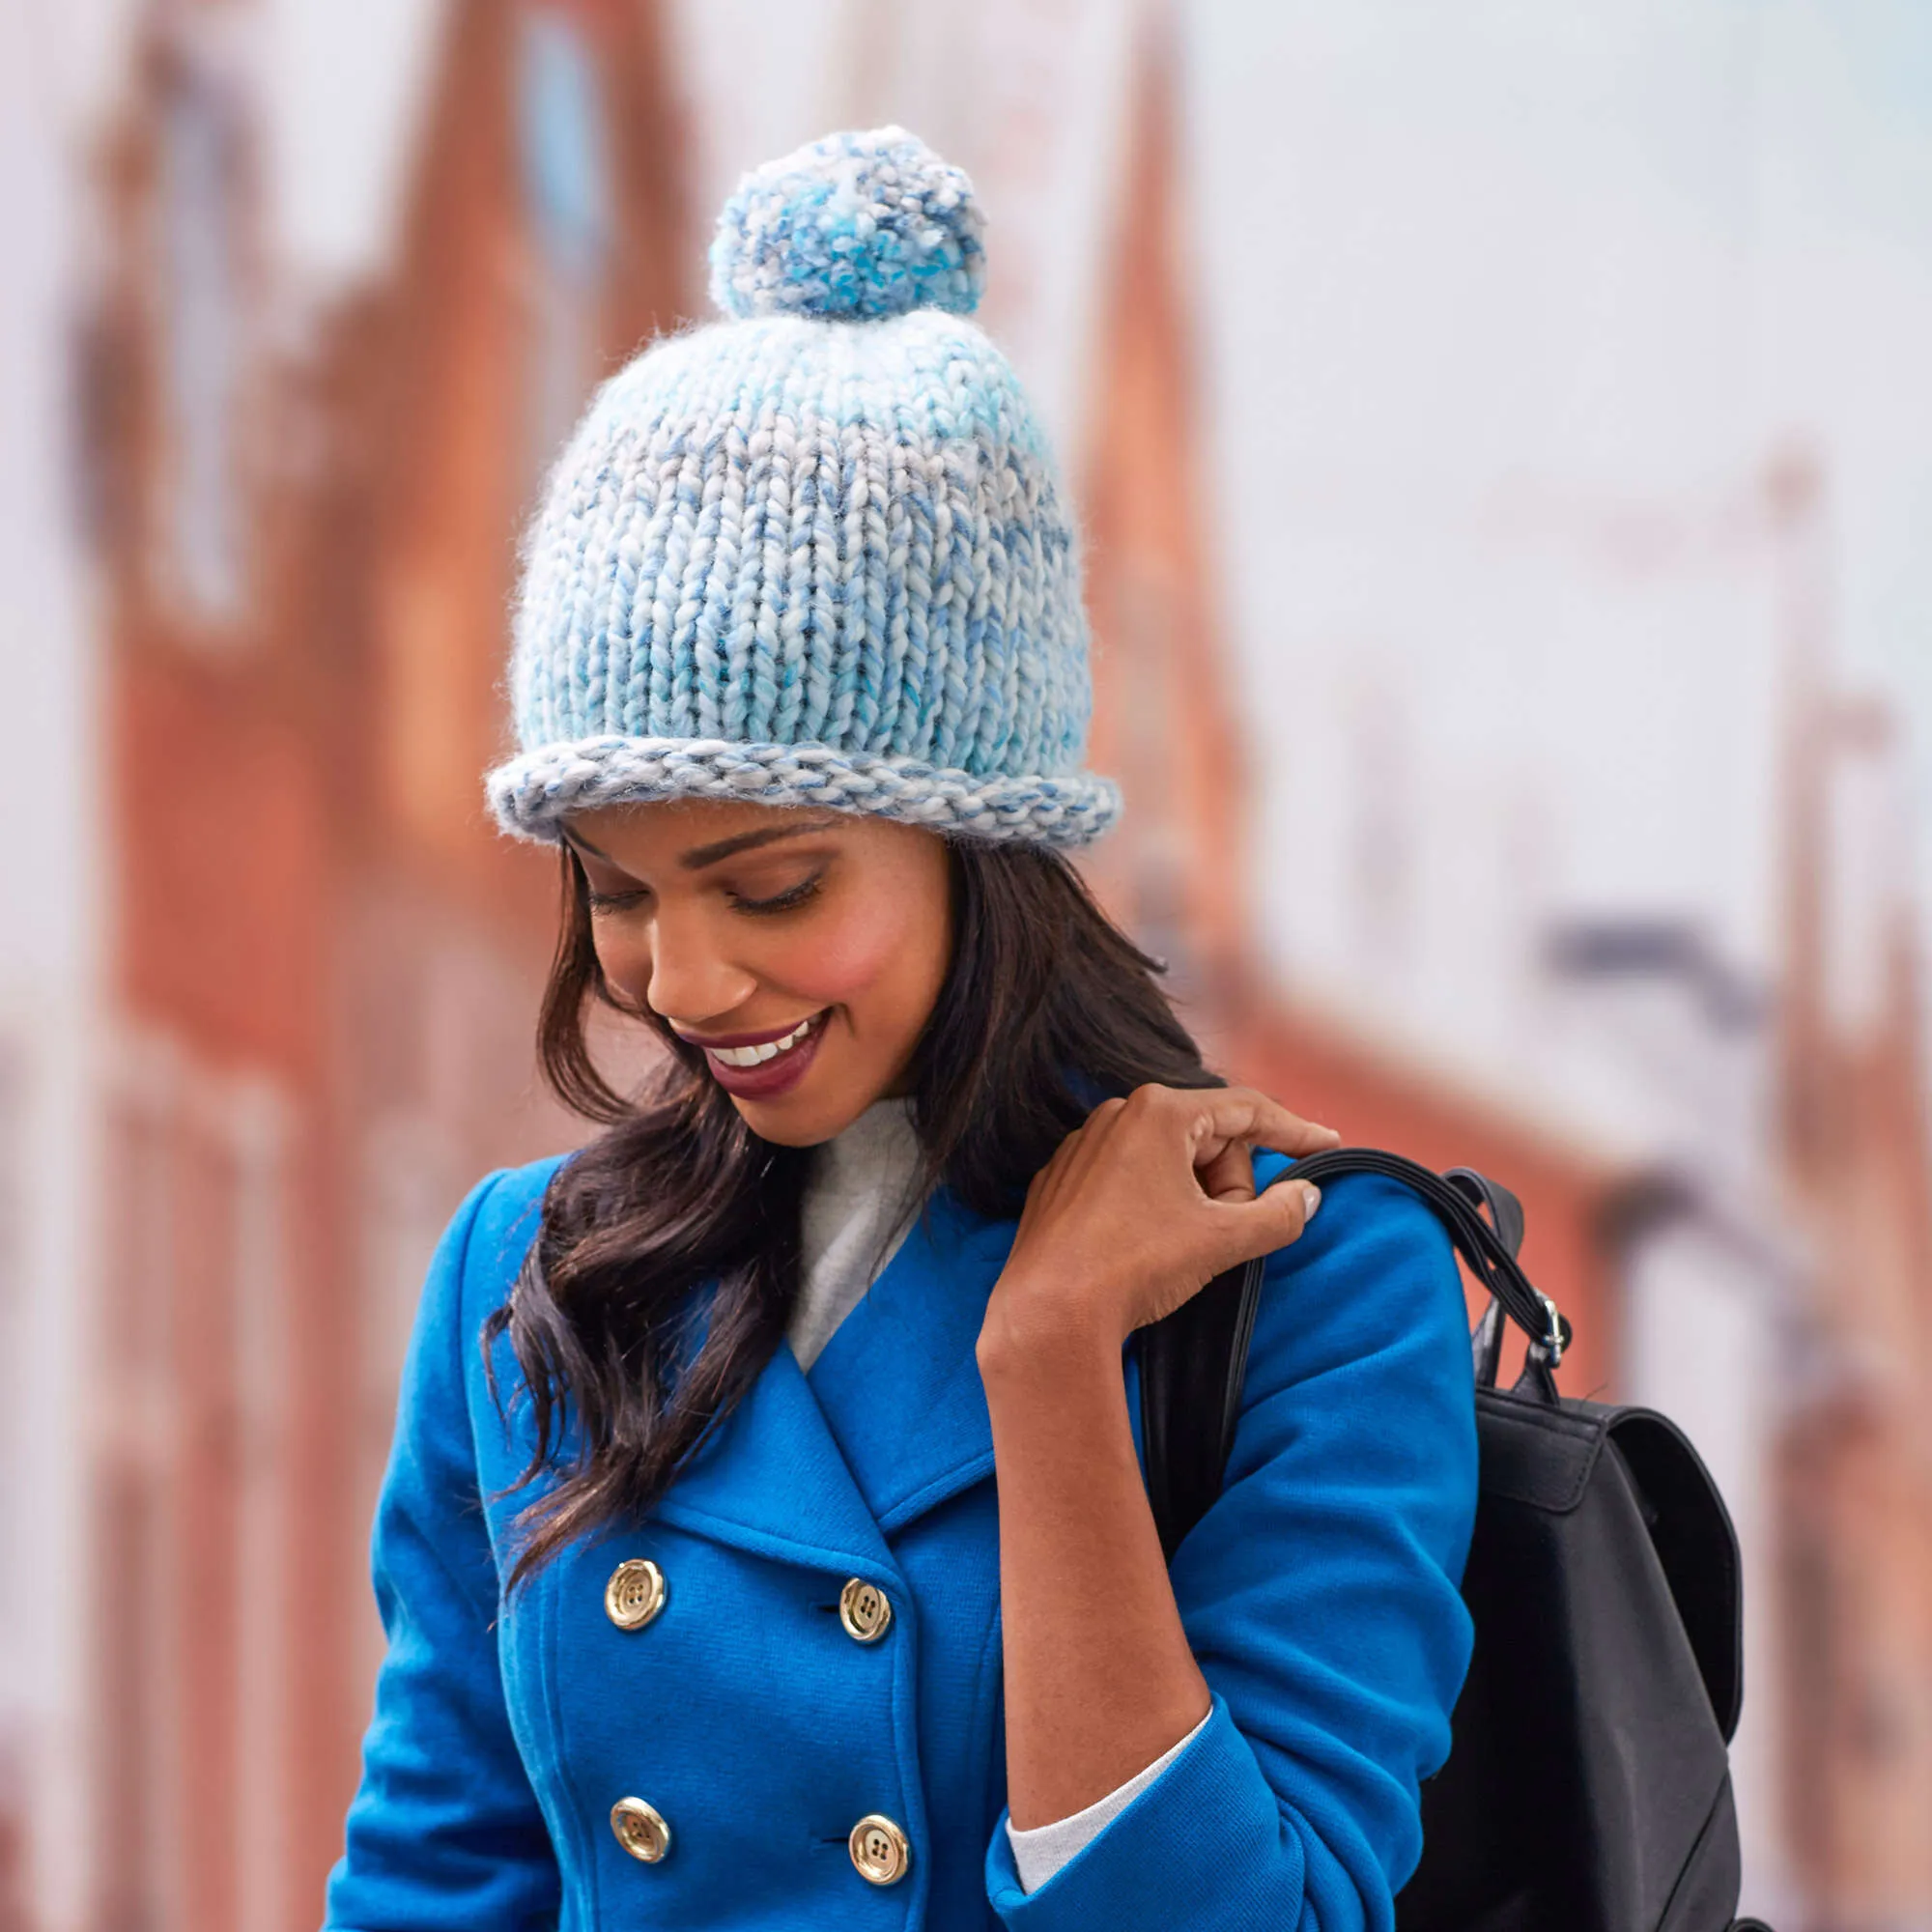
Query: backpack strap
(1505, 1209)
(1192, 1365)
(1485, 1339)
(1193, 1362)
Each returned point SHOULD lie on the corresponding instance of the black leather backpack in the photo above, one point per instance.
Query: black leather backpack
(1588, 1783)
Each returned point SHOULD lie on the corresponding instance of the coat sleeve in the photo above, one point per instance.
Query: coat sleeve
(1320, 1594)
(445, 1833)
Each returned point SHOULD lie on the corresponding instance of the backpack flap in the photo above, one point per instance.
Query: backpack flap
(1692, 1532)
(1545, 1458)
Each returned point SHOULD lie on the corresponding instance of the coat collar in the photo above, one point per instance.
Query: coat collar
(891, 1422)
(899, 1381)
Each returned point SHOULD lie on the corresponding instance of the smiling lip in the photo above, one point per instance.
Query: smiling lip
(743, 1039)
(769, 1078)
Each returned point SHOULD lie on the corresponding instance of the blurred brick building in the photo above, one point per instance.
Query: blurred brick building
(326, 964)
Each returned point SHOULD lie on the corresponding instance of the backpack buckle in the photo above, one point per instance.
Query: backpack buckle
(1553, 1343)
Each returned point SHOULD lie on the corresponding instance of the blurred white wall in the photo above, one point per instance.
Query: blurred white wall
(51, 866)
(1505, 309)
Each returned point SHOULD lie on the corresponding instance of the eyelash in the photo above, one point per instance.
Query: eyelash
(785, 901)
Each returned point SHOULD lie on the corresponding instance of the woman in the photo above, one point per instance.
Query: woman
(764, 1541)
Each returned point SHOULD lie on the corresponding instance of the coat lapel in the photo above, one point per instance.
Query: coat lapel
(772, 1480)
(899, 1383)
(892, 1421)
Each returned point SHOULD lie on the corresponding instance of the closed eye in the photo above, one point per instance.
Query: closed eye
(615, 901)
(784, 901)
(635, 896)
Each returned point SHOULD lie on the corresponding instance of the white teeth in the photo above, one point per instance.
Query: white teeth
(756, 1056)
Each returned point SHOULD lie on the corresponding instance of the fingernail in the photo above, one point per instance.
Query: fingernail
(1311, 1197)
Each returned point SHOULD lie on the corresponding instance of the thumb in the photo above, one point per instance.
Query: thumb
(1271, 1220)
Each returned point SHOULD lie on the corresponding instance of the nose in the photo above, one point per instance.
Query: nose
(691, 984)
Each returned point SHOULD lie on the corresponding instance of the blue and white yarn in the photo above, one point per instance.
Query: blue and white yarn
(856, 225)
(820, 554)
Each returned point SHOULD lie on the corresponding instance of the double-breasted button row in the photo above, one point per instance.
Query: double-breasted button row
(637, 1591)
(634, 1594)
(881, 1853)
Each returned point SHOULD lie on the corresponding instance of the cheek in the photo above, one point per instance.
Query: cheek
(624, 959)
(885, 958)
(852, 960)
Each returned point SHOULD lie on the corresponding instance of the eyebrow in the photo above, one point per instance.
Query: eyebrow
(700, 856)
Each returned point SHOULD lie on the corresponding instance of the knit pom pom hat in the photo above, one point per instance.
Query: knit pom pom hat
(818, 554)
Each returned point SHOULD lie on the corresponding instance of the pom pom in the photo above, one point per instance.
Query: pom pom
(855, 226)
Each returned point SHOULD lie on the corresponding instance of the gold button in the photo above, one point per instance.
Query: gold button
(640, 1829)
(634, 1593)
(864, 1611)
(879, 1850)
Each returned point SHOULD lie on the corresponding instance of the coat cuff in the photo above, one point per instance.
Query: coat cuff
(1204, 1846)
(1040, 1853)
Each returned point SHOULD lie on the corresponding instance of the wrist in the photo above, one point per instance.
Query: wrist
(1033, 1334)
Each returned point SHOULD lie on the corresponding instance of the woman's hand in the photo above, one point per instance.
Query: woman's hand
(1143, 1206)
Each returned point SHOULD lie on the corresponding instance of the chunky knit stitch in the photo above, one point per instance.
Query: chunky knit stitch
(818, 553)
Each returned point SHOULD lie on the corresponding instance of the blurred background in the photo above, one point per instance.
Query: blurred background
(1504, 440)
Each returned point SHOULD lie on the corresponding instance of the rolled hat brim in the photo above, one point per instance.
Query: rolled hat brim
(531, 794)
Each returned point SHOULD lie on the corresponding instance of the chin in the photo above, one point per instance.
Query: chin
(793, 1119)
(769, 1124)
(803, 1118)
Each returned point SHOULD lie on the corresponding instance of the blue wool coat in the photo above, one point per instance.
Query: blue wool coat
(1320, 1595)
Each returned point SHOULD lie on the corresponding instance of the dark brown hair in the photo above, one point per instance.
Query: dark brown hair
(1047, 1008)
